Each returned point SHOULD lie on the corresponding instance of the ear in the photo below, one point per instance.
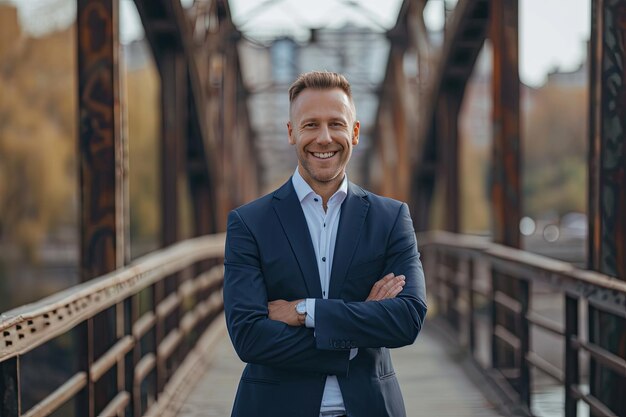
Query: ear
(355, 133)
(292, 140)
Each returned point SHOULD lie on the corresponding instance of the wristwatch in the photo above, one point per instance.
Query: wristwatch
(301, 307)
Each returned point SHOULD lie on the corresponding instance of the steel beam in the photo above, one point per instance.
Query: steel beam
(505, 176)
(401, 172)
(228, 133)
(505, 190)
(448, 157)
(173, 140)
(103, 179)
(464, 37)
(607, 149)
(182, 39)
(607, 186)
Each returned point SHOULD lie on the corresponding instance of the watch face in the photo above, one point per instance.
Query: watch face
(301, 307)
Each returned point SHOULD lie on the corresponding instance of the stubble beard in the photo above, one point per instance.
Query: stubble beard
(322, 175)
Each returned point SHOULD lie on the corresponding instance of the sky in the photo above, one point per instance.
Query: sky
(553, 33)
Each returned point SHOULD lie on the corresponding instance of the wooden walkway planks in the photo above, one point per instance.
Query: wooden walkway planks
(432, 383)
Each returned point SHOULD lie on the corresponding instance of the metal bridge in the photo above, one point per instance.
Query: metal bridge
(140, 333)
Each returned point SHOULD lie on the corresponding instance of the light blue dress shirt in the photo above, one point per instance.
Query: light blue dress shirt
(323, 225)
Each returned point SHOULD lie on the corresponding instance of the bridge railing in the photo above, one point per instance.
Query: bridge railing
(485, 293)
(166, 309)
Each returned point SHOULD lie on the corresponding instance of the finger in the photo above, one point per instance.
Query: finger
(378, 289)
(386, 278)
(389, 290)
(397, 289)
(390, 284)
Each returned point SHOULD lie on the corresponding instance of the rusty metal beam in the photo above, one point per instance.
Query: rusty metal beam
(393, 145)
(505, 190)
(607, 186)
(607, 156)
(228, 111)
(505, 177)
(402, 171)
(100, 139)
(201, 185)
(446, 81)
(206, 37)
(468, 14)
(173, 140)
(448, 157)
(103, 179)
(168, 28)
(173, 68)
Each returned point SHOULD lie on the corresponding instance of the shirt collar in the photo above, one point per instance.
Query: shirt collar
(303, 189)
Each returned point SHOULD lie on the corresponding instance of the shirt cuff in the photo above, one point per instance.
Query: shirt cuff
(309, 321)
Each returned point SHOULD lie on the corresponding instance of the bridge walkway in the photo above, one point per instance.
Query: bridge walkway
(431, 379)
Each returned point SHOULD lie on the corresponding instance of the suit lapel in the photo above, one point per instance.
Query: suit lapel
(353, 212)
(291, 217)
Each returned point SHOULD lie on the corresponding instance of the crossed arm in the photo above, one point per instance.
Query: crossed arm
(387, 287)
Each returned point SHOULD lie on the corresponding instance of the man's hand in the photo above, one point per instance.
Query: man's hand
(387, 287)
(285, 311)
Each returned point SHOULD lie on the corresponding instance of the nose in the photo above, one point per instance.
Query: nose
(324, 136)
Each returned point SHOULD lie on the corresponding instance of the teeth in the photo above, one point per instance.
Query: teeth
(324, 155)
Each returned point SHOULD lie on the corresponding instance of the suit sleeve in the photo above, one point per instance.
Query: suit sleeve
(387, 323)
(256, 338)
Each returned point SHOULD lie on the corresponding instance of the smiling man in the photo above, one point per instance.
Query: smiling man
(321, 276)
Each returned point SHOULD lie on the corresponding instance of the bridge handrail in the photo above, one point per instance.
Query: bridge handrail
(165, 346)
(481, 246)
(504, 283)
(43, 320)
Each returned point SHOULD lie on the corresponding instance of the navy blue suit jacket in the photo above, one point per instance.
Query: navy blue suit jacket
(270, 256)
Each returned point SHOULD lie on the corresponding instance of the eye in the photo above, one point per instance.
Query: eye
(309, 125)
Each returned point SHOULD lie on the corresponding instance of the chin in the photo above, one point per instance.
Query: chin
(327, 177)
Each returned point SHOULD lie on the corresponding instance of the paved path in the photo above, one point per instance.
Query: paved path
(432, 383)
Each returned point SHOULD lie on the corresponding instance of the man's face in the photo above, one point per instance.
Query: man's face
(323, 129)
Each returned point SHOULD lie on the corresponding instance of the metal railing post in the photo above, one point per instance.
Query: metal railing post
(493, 310)
(470, 315)
(524, 288)
(10, 387)
(571, 355)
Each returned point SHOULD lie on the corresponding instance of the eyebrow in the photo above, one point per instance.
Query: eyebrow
(317, 119)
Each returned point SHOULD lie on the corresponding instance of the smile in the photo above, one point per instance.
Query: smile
(323, 155)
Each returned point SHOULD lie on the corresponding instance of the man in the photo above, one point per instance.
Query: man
(305, 303)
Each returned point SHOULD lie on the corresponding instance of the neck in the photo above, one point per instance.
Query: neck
(324, 189)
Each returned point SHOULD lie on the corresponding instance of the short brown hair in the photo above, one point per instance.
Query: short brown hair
(319, 80)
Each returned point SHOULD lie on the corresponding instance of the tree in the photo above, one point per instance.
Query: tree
(554, 149)
(37, 139)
